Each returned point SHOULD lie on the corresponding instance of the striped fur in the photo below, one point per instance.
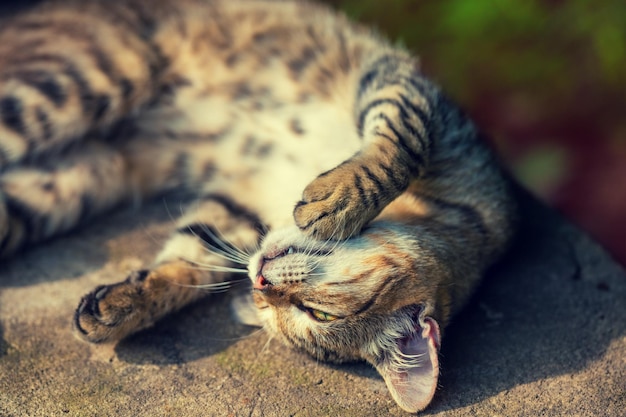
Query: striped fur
(363, 205)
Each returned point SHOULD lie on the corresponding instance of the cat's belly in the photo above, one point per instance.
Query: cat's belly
(265, 157)
(262, 138)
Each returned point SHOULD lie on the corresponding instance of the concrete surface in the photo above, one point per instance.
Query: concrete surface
(545, 336)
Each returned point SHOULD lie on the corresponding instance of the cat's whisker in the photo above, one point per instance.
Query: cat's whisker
(330, 239)
(168, 211)
(336, 242)
(224, 286)
(313, 266)
(266, 346)
(197, 265)
(310, 245)
(224, 255)
(228, 250)
(215, 268)
(230, 253)
(212, 290)
(217, 287)
(230, 245)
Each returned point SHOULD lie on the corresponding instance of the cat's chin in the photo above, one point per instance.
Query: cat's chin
(244, 311)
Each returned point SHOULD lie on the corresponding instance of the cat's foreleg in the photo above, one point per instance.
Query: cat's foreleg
(207, 251)
(393, 109)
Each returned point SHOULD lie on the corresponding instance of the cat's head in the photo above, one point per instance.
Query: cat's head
(375, 297)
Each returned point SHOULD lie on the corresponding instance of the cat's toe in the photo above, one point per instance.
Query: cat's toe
(108, 313)
(331, 207)
(336, 217)
(322, 219)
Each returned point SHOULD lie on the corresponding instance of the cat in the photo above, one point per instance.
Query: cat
(361, 202)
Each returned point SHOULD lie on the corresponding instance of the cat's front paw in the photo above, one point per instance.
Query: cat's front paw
(111, 312)
(333, 206)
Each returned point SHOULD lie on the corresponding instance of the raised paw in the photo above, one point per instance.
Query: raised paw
(335, 205)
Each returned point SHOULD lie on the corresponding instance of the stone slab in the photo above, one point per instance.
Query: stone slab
(544, 336)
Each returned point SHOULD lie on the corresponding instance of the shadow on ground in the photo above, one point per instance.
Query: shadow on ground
(552, 307)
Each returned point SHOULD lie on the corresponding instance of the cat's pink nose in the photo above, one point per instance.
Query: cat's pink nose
(260, 283)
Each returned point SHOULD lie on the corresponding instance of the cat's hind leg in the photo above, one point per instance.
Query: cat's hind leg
(210, 245)
(67, 69)
(39, 201)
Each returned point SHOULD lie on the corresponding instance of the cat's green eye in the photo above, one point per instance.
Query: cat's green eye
(321, 316)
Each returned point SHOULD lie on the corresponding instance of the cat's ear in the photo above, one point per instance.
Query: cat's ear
(410, 367)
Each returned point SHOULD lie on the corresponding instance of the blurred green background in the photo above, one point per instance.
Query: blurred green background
(545, 78)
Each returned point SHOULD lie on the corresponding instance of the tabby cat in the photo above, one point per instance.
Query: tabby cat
(254, 106)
